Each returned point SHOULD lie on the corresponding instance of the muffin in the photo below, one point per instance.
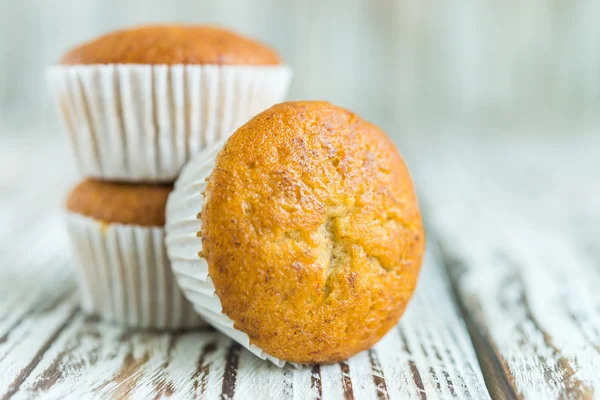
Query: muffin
(138, 103)
(301, 236)
(123, 274)
(171, 45)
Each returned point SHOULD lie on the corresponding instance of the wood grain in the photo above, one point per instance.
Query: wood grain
(506, 216)
(514, 228)
(49, 349)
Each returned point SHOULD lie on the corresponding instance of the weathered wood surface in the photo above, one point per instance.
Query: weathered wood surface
(518, 224)
(514, 223)
(48, 349)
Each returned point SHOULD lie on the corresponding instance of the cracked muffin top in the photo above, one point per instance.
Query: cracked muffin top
(172, 44)
(312, 232)
(120, 203)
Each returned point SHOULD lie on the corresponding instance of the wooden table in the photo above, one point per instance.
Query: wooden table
(508, 303)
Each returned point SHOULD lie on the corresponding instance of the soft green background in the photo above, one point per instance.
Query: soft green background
(495, 63)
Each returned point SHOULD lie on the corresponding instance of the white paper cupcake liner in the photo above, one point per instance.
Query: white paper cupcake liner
(141, 123)
(183, 245)
(124, 276)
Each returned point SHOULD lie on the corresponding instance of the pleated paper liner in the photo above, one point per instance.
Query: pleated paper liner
(183, 245)
(141, 123)
(124, 275)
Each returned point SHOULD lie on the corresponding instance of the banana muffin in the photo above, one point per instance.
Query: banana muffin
(172, 44)
(309, 234)
(138, 103)
(117, 232)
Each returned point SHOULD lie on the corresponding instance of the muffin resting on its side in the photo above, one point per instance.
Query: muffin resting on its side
(138, 103)
(310, 230)
(172, 44)
(123, 272)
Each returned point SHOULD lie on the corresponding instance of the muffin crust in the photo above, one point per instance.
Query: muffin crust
(172, 44)
(122, 203)
(312, 232)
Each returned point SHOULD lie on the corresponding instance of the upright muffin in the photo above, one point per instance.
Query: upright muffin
(301, 238)
(138, 103)
(117, 231)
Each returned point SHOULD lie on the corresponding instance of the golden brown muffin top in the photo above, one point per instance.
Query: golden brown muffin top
(172, 44)
(120, 203)
(312, 232)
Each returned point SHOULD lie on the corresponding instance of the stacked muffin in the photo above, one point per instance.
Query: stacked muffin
(137, 104)
(299, 236)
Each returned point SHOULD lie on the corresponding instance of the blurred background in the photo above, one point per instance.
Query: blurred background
(401, 64)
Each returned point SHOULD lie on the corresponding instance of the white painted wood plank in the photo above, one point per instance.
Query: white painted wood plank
(415, 361)
(507, 216)
(51, 350)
